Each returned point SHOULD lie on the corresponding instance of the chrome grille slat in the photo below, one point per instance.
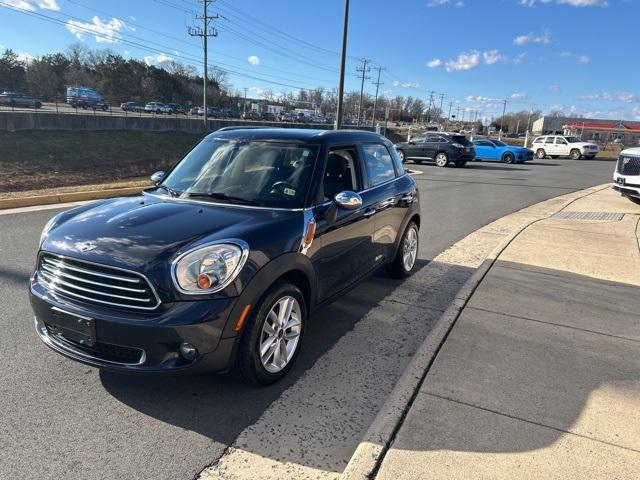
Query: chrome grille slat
(62, 273)
(89, 272)
(56, 281)
(122, 288)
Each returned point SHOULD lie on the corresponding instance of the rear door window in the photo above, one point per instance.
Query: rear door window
(461, 139)
(378, 164)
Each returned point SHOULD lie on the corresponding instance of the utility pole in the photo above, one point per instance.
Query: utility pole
(442, 96)
(430, 92)
(449, 116)
(504, 111)
(343, 59)
(363, 70)
(205, 32)
(244, 107)
(375, 102)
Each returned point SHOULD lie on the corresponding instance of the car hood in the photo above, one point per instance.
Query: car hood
(147, 232)
(631, 151)
(583, 144)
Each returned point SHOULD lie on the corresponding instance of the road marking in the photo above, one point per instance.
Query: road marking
(37, 208)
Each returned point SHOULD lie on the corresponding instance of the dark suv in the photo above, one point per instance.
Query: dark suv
(438, 147)
(222, 262)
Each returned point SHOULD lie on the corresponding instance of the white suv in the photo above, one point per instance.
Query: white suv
(562, 146)
(626, 178)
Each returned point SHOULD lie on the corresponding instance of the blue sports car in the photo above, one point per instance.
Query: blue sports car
(495, 150)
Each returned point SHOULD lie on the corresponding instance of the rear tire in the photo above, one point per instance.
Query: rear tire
(404, 264)
(541, 154)
(575, 154)
(402, 156)
(442, 160)
(266, 325)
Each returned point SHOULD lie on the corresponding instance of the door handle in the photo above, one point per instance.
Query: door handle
(370, 212)
(407, 197)
(387, 203)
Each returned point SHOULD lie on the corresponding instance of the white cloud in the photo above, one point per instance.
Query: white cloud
(571, 3)
(157, 59)
(624, 97)
(399, 84)
(31, 4)
(25, 57)
(446, 3)
(554, 89)
(578, 57)
(435, 63)
(481, 99)
(519, 96)
(254, 60)
(492, 56)
(544, 38)
(103, 32)
(584, 59)
(465, 61)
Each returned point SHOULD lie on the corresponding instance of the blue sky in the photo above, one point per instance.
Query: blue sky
(573, 55)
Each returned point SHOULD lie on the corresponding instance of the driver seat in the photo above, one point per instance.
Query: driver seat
(337, 178)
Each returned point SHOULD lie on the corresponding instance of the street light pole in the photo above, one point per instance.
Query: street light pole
(343, 59)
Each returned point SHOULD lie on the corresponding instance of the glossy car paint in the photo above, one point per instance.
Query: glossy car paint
(488, 150)
(426, 147)
(146, 233)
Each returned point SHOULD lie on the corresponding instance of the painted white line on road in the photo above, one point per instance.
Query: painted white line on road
(37, 208)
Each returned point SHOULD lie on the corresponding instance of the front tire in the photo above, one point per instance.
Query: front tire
(541, 154)
(508, 158)
(404, 264)
(272, 341)
(575, 154)
(442, 160)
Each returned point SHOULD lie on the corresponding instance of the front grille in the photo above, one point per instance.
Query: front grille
(628, 165)
(102, 351)
(97, 284)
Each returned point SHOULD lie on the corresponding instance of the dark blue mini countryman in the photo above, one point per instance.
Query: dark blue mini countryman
(221, 263)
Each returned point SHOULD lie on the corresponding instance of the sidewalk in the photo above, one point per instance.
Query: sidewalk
(540, 376)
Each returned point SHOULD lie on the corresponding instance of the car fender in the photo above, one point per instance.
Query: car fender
(262, 281)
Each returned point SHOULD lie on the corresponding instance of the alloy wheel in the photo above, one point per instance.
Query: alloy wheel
(280, 334)
(442, 160)
(410, 249)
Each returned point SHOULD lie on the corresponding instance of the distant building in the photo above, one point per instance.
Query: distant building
(588, 128)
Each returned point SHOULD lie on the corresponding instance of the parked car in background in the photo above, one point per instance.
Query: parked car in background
(132, 107)
(626, 177)
(85, 98)
(176, 108)
(196, 111)
(564, 146)
(210, 269)
(289, 117)
(15, 99)
(268, 117)
(495, 150)
(441, 148)
(157, 108)
(250, 115)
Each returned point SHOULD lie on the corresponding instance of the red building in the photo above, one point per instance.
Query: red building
(627, 133)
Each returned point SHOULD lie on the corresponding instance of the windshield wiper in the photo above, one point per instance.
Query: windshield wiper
(171, 191)
(225, 197)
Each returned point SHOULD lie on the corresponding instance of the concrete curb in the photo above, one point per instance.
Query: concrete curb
(370, 452)
(67, 197)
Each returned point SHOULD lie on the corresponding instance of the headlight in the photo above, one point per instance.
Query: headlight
(209, 268)
(47, 228)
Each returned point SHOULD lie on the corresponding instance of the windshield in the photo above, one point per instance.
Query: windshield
(573, 139)
(253, 173)
(498, 143)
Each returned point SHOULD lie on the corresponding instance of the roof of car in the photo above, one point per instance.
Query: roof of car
(302, 135)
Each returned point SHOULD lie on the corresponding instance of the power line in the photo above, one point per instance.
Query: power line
(205, 33)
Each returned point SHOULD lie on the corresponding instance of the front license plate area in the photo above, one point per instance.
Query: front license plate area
(81, 330)
(620, 181)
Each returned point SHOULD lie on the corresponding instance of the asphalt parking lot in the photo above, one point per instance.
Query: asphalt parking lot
(62, 420)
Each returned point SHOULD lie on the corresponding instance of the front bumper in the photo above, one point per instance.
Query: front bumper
(139, 343)
(628, 186)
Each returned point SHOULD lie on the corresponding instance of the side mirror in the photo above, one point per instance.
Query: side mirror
(348, 200)
(157, 177)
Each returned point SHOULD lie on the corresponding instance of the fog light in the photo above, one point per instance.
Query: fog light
(188, 351)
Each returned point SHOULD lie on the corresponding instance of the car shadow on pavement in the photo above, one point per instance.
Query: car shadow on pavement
(13, 277)
(496, 166)
(232, 404)
(541, 361)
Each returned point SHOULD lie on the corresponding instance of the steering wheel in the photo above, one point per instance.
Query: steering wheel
(280, 188)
